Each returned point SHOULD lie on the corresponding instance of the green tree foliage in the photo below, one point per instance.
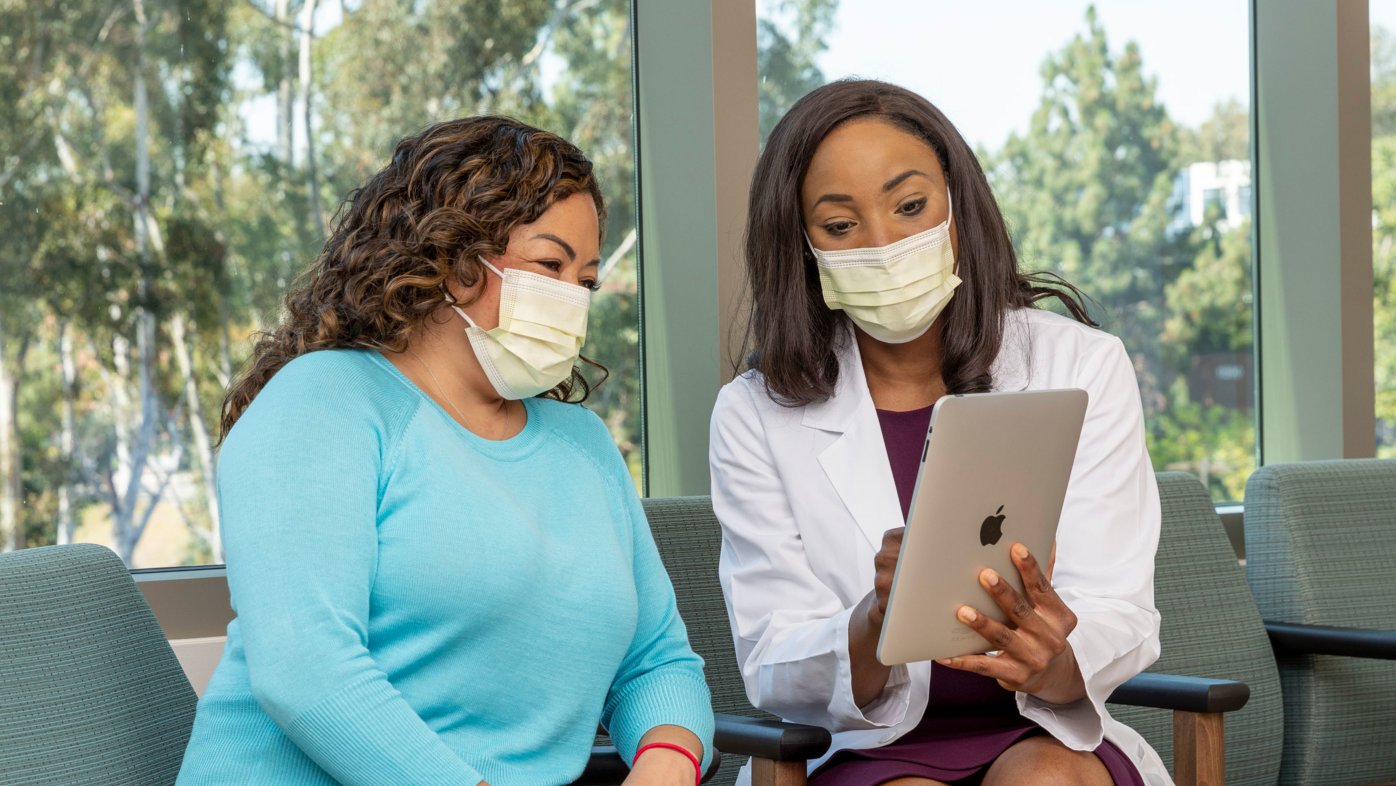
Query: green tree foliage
(790, 35)
(1210, 303)
(148, 228)
(1384, 237)
(1383, 59)
(1088, 192)
(1225, 136)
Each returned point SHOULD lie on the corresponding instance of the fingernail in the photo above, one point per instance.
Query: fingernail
(991, 578)
(967, 614)
(1020, 551)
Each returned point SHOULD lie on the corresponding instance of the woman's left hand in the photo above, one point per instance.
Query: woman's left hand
(1033, 654)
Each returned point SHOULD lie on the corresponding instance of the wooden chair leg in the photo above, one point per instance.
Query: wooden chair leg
(1199, 748)
(767, 772)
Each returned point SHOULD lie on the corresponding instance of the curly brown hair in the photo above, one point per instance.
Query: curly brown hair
(451, 194)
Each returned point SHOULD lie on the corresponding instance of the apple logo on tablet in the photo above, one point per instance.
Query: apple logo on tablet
(992, 528)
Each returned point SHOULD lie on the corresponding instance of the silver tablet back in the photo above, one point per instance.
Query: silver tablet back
(993, 473)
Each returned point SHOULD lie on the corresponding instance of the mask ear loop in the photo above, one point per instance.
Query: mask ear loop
(492, 268)
(450, 301)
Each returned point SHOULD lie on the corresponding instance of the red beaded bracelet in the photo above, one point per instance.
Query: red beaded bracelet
(697, 765)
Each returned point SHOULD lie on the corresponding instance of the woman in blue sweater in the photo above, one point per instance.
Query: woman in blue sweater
(440, 567)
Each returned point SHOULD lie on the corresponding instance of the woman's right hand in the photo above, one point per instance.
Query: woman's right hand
(865, 626)
(885, 563)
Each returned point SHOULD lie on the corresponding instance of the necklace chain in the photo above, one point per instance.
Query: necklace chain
(440, 388)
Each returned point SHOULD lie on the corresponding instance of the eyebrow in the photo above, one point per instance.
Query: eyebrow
(888, 186)
(571, 254)
(899, 179)
(832, 198)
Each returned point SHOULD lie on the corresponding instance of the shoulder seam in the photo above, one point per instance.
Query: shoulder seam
(397, 428)
(612, 482)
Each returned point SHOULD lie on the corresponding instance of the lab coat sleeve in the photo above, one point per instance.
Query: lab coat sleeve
(790, 629)
(1106, 542)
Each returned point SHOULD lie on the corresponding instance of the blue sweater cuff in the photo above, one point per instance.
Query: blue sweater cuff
(365, 733)
(659, 699)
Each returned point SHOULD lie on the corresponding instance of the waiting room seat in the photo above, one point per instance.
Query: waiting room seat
(90, 691)
(1320, 558)
(1210, 628)
(689, 539)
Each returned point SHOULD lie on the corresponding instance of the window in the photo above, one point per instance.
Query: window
(1117, 138)
(166, 170)
(1383, 27)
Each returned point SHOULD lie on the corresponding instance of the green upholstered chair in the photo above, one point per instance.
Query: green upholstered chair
(1320, 557)
(90, 691)
(690, 538)
(1210, 628)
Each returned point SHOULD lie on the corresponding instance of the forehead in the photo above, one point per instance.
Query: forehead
(860, 155)
(574, 216)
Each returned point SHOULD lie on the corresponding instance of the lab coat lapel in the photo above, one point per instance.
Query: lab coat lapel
(856, 463)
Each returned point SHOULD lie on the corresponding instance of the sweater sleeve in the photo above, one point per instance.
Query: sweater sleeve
(299, 481)
(660, 681)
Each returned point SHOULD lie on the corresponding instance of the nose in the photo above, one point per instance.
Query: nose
(880, 231)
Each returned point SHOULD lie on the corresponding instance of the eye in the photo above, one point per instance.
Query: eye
(552, 265)
(591, 284)
(912, 207)
(838, 228)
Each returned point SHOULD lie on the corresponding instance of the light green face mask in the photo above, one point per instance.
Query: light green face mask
(893, 292)
(542, 325)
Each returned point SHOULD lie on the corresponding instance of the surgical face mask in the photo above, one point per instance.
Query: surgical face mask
(896, 291)
(542, 325)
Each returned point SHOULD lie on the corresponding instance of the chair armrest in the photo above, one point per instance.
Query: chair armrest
(607, 768)
(769, 739)
(1177, 692)
(1296, 639)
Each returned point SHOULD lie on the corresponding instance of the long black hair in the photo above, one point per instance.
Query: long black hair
(793, 337)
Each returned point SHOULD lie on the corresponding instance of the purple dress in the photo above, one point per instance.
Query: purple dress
(970, 721)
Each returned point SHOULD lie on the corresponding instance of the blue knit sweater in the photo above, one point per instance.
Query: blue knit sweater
(418, 605)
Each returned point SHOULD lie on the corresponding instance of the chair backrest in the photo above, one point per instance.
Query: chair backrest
(90, 691)
(1210, 625)
(1210, 628)
(1320, 549)
(689, 540)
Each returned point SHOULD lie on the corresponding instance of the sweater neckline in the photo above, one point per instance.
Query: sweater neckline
(510, 448)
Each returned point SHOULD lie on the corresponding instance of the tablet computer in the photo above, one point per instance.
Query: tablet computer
(994, 472)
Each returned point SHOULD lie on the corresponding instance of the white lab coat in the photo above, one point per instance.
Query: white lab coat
(805, 494)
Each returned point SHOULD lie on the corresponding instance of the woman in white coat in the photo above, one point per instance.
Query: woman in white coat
(882, 277)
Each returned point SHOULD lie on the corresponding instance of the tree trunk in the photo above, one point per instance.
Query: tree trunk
(67, 435)
(285, 89)
(11, 468)
(312, 184)
(199, 428)
(128, 529)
